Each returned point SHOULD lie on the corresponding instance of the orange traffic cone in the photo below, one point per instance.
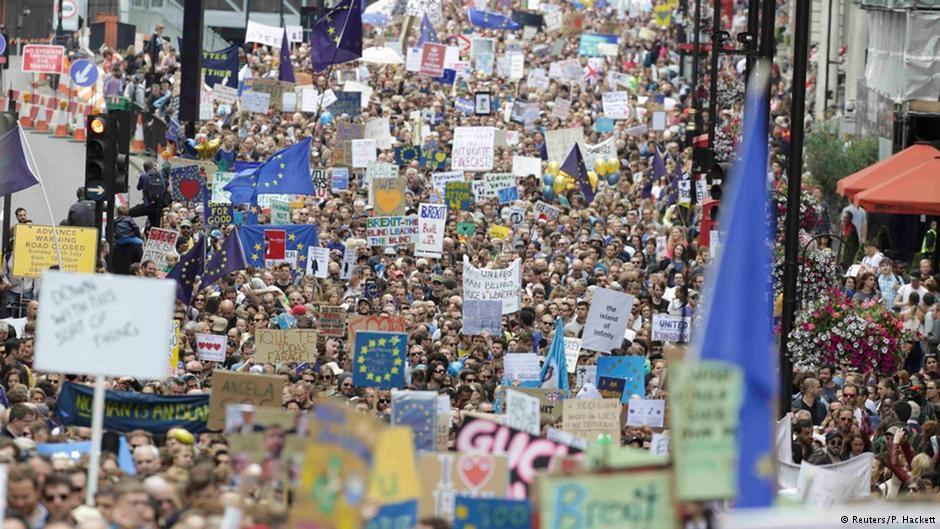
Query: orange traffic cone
(78, 128)
(60, 122)
(26, 116)
(137, 144)
(42, 119)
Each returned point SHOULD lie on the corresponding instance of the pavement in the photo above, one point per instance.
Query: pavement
(59, 164)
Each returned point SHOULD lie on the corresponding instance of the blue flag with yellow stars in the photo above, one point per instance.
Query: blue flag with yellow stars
(285, 172)
(298, 237)
(186, 270)
(574, 168)
(489, 20)
(418, 411)
(379, 359)
(427, 32)
(337, 37)
(230, 258)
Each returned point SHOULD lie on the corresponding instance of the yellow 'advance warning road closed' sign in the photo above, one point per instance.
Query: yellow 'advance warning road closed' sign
(34, 249)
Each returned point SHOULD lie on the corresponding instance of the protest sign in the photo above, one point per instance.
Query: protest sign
(318, 262)
(331, 320)
(522, 412)
(646, 412)
(220, 179)
(537, 79)
(321, 182)
(827, 485)
(388, 196)
(628, 368)
(523, 166)
(432, 59)
(263, 34)
(545, 212)
(391, 464)
(90, 322)
(473, 149)
(482, 317)
(225, 95)
(502, 284)
(549, 400)
(127, 411)
(638, 498)
(431, 220)
(446, 474)
(378, 130)
(589, 418)
(523, 367)
(363, 152)
(497, 232)
(493, 182)
(275, 88)
(609, 387)
(607, 320)
(616, 105)
(231, 387)
(280, 212)
(34, 249)
(374, 323)
(380, 170)
(668, 328)
(559, 142)
(515, 214)
(526, 453)
(379, 359)
(659, 120)
(604, 150)
(339, 179)
(491, 513)
(258, 102)
(418, 411)
(390, 231)
(572, 351)
(211, 347)
(588, 375)
(561, 107)
(704, 400)
(219, 215)
(347, 102)
(589, 43)
(282, 346)
(439, 180)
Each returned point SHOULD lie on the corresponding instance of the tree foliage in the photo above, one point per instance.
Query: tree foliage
(830, 157)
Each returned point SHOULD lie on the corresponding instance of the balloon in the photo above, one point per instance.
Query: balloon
(588, 4)
(454, 368)
(563, 200)
(613, 178)
(560, 184)
(548, 179)
(570, 183)
(600, 167)
(592, 178)
(326, 118)
(189, 148)
(613, 164)
(548, 192)
(553, 168)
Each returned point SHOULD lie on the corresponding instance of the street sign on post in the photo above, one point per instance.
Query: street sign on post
(70, 10)
(84, 73)
(95, 190)
(4, 56)
(43, 58)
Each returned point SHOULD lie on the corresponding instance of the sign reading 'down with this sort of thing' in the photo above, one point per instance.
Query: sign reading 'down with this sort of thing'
(279, 346)
(230, 387)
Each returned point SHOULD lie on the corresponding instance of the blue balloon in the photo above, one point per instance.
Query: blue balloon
(548, 179)
(189, 148)
(548, 192)
(454, 368)
(326, 117)
(563, 200)
(613, 178)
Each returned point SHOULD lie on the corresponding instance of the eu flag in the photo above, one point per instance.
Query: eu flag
(285, 70)
(574, 168)
(299, 237)
(230, 258)
(427, 32)
(15, 174)
(186, 270)
(337, 37)
(489, 20)
(554, 370)
(287, 171)
(739, 327)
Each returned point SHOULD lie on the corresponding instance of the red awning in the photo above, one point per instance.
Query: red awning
(913, 192)
(886, 169)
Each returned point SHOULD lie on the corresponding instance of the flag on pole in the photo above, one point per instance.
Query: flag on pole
(488, 20)
(574, 168)
(186, 270)
(285, 70)
(15, 174)
(427, 32)
(554, 370)
(739, 327)
(337, 37)
(230, 258)
(285, 172)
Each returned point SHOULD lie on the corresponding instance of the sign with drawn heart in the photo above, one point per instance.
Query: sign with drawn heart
(443, 475)
(211, 347)
(187, 184)
(388, 197)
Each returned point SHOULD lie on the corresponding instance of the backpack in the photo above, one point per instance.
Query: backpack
(155, 188)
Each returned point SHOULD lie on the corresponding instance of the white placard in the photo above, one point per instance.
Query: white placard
(559, 142)
(308, 99)
(90, 322)
(211, 347)
(329, 97)
(502, 284)
(586, 375)
(572, 351)
(378, 130)
(318, 261)
(606, 321)
(493, 182)
(616, 105)
(431, 221)
(264, 34)
(522, 411)
(659, 444)
(224, 94)
(439, 180)
(160, 244)
(537, 79)
(825, 486)
(413, 59)
(659, 120)
(523, 367)
(516, 66)
(366, 90)
(295, 34)
(668, 328)
(561, 108)
(523, 166)
(349, 262)
(255, 102)
(473, 149)
(604, 150)
(646, 412)
(289, 102)
(363, 152)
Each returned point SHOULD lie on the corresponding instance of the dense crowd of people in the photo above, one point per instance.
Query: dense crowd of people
(176, 479)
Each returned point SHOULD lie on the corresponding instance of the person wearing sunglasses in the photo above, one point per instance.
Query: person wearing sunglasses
(58, 498)
(832, 453)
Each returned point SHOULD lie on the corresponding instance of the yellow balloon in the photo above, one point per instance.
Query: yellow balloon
(587, 3)
(570, 182)
(559, 184)
(600, 167)
(553, 168)
(613, 165)
(592, 178)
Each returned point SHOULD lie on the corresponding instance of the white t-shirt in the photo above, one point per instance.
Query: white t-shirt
(905, 293)
(873, 261)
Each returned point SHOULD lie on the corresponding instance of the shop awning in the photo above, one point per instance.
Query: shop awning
(913, 192)
(886, 169)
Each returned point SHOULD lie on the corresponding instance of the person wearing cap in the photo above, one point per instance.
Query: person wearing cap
(832, 453)
(185, 241)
